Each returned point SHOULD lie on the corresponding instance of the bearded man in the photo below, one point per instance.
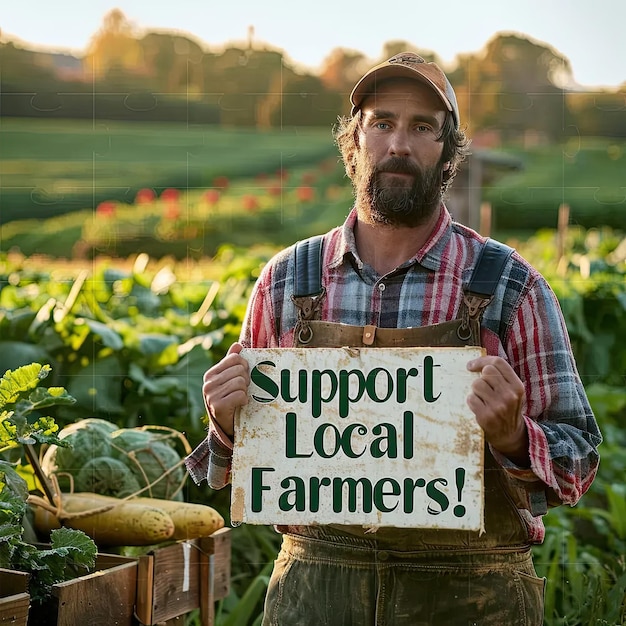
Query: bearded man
(399, 268)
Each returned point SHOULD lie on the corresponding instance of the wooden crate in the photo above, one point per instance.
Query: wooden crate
(104, 597)
(184, 576)
(14, 598)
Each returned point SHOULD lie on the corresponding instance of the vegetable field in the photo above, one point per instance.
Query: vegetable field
(52, 168)
(130, 339)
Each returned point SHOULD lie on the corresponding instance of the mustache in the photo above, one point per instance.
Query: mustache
(398, 165)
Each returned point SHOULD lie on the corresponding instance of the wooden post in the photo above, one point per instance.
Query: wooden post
(485, 219)
(214, 573)
(561, 235)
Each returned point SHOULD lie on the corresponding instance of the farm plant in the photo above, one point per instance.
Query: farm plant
(131, 339)
(71, 552)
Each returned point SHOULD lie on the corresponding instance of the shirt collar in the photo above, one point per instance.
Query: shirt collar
(429, 256)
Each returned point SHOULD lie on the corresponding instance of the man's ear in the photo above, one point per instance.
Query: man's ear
(446, 166)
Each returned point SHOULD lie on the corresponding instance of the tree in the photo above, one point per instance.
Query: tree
(174, 61)
(512, 86)
(114, 48)
(341, 69)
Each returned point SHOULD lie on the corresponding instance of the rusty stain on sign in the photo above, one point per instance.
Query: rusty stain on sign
(375, 437)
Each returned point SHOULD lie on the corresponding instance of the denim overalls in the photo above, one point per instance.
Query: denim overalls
(347, 576)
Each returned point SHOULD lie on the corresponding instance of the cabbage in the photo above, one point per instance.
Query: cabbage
(115, 461)
(108, 477)
(149, 456)
(88, 439)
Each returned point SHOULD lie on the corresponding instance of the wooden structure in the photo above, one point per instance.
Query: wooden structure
(187, 575)
(157, 588)
(481, 168)
(14, 598)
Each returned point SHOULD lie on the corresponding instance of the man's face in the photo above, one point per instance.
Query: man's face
(399, 169)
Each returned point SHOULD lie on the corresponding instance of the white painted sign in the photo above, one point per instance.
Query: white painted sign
(371, 436)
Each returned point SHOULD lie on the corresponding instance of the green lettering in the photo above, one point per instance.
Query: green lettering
(401, 389)
(390, 439)
(264, 382)
(438, 496)
(429, 395)
(258, 487)
(294, 498)
(346, 440)
(352, 483)
(291, 433)
(407, 432)
(318, 440)
(371, 384)
(409, 492)
(316, 390)
(380, 493)
(344, 390)
(314, 487)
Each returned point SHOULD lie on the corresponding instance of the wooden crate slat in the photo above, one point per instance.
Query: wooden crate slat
(14, 597)
(106, 596)
(184, 576)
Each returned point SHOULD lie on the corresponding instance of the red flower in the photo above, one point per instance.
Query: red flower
(275, 190)
(106, 209)
(308, 178)
(211, 196)
(282, 173)
(145, 196)
(305, 193)
(250, 203)
(170, 195)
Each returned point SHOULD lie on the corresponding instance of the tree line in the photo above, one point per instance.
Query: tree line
(512, 88)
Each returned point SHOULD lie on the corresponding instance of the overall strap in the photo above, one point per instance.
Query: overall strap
(308, 290)
(488, 270)
(478, 293)
(308, 267)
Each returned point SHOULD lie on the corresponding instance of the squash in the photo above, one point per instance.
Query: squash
(190, 520)
(125, 523)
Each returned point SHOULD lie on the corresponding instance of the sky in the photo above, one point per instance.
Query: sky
(591, 34)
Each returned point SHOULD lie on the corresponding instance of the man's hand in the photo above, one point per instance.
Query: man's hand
(496, 400)
(225, 388)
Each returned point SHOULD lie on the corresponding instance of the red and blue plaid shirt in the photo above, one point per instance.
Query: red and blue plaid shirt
(523, 324)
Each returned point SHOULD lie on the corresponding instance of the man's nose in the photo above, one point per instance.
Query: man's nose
(400, 145)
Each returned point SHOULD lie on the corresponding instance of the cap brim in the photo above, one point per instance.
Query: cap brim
(367, 85)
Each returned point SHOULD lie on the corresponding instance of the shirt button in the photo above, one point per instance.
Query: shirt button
(383, 556)
(381, 287)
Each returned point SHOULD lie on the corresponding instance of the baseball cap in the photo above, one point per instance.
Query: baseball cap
(407, 65)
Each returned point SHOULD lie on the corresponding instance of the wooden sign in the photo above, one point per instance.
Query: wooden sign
(371, 436)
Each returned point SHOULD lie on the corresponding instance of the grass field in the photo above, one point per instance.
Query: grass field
(51, 167)
(588, 174)
(55, 174)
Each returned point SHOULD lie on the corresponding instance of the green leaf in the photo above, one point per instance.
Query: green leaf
(81, 549)
(162, 385)
(109, 337)
(16, 382)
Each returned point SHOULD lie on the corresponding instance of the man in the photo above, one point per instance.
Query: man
(399, 266)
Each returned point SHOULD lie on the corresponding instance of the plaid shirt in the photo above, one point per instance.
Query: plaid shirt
(523, 324)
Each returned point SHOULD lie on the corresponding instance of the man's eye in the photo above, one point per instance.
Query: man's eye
(423, 128)
(382, 125)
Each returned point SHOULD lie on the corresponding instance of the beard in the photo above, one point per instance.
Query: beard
(397, 202)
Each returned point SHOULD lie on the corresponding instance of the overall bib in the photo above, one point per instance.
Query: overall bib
(349, 576)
